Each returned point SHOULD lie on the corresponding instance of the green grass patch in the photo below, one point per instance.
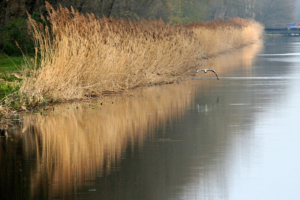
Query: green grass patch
(10, 63)
(10, 81)
(7, 88)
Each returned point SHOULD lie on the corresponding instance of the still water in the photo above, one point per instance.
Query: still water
(237, 138)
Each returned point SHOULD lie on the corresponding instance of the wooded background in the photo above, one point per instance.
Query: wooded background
(271, 13)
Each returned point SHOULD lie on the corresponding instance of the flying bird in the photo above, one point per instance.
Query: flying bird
(207, 70)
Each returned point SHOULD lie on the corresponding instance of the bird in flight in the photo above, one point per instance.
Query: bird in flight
(207, 70)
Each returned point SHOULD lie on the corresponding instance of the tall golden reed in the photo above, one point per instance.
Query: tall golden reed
(84, 56)
(221, 36)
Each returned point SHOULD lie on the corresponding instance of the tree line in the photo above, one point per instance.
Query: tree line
(271, 13)
(268, 12)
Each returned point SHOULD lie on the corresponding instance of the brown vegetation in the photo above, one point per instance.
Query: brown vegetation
(87, 56)
(226, 35)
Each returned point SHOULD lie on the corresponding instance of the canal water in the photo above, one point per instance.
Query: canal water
(203, 139)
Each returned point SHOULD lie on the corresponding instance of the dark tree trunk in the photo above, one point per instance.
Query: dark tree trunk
(110, 7)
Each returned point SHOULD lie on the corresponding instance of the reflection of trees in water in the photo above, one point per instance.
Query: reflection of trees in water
(65, 150)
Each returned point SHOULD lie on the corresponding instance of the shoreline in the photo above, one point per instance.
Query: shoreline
(85, 57)
(15, 114)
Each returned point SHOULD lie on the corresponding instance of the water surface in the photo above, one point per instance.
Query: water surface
(236, 138)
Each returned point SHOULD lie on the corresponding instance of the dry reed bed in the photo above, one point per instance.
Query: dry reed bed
(222, 36)
(87, 56)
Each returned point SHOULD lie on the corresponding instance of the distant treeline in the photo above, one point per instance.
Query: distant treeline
(271, 13)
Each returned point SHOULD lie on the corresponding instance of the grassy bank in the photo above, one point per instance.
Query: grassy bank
(83, 56)
(10, 80)
(10, 63)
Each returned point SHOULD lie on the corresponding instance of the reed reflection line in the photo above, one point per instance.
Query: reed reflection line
(78, 143)
(240, 59)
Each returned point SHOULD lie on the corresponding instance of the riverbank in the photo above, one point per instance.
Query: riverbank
(86, 57)
(108, 125)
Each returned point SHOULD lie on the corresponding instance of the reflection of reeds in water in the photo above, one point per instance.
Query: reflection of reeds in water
(77, 141)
